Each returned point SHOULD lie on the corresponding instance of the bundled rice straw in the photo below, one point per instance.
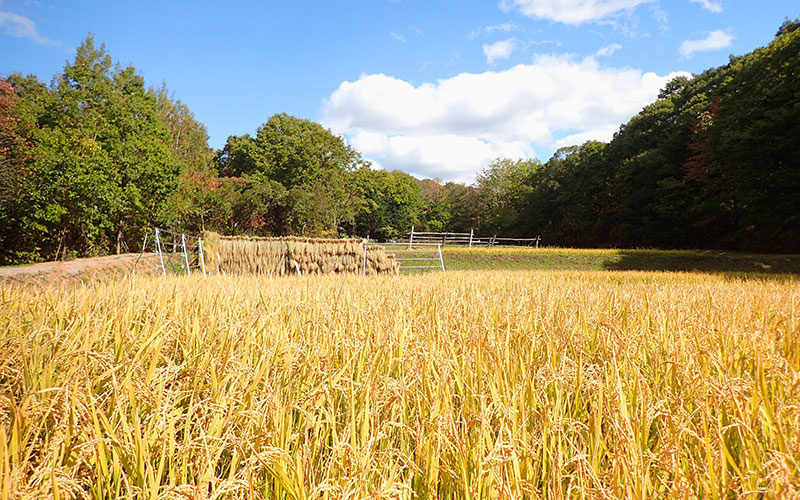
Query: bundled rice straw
(286, 255)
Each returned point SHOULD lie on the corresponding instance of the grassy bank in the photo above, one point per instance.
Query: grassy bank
(619, 260)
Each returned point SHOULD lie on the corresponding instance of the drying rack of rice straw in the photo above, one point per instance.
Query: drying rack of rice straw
(287, 255)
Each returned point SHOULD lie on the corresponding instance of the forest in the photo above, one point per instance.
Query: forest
(92, 160)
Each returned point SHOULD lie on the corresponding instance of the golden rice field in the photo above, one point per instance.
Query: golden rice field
(481, 384)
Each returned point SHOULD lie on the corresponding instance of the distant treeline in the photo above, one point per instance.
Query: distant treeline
(92, 160)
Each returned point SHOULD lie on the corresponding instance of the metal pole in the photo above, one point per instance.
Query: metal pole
(364, 265)
(441, 260)
(201, 255)
(185, 254)
(160, 254)
(144, 247)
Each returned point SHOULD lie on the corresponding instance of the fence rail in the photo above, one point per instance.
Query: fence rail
(419, 256)
(469, 239)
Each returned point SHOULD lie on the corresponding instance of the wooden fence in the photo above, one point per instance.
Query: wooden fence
(467, 239)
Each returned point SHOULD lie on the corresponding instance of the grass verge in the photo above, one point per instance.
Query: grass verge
(619, 260)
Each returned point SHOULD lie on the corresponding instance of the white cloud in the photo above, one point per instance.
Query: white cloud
(488, 30)
(660, 16)
(571, 11)
(710, 5)
(22, 27)
(504, 27)
(603, 133)
(454, 127)
(608, 49)
(448, 156)
(713, 41)
(398, 37)
(499, 50)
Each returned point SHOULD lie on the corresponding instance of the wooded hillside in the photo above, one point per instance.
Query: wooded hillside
(92, 160)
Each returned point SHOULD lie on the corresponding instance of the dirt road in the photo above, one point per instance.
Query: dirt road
(112, 265)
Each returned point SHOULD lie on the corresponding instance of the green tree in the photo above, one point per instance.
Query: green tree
(310, 162)
(392, 204)
(262, 207)
(16, 175)
(571, 196)
(101, 169)
(504, 187)
(437, 210)
(746, 157)
(201, 201)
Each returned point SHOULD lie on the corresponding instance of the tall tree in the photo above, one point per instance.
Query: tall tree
(746, 152)
(201, 201)
(504, 187)
(393, 204)
(102, 170)
(310, 162)
(16, 175)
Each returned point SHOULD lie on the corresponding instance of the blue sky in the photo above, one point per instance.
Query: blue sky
(435, 88)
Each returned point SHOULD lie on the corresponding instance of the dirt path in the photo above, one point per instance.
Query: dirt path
(93, 267)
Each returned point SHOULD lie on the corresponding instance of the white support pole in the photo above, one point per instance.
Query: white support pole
(441, 260)
(200, 256)
(470, 238)
(160, 254)
(411, 238)
(185, 254)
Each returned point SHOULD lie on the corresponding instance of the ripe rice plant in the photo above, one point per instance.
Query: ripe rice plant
(469, 385)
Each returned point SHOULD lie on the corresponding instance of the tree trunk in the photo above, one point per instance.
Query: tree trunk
(119, 238)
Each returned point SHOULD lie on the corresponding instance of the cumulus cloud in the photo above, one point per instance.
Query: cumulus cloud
(447, 156)
(22, 27)
(710, 5)
(499, 50)
(571, 11)
(715, 40)
(454, 127)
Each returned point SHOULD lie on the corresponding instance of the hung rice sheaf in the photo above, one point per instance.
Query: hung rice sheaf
(285, 255)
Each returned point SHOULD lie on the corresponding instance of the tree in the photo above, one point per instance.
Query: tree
(101, 169)
(503, 188)
(392, 204)
(437, 211)
(311, 163)
(198, 203)
(571, 196)
(746, 158)
(263, 207)
(16, 175)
